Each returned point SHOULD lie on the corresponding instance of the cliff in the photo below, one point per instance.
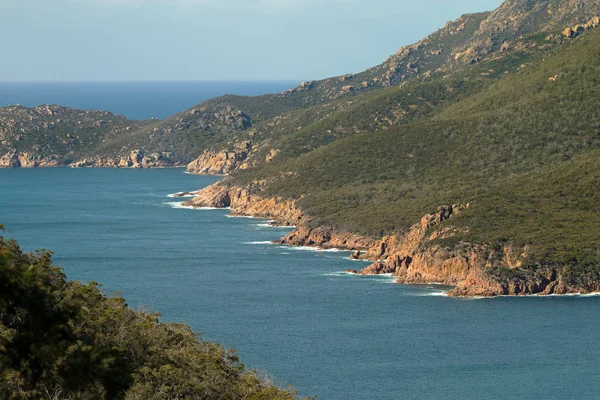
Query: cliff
(415, 257)
(221, 162)
(243, 202)
(14, 159)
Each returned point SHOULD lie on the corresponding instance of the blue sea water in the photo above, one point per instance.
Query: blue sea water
(135, 100)
(293, 312)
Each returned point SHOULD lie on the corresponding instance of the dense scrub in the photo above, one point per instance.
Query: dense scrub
(522, 149)
(66, 340)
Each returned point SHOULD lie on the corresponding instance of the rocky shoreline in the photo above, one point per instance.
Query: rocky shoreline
(414, 258)
(134, 159)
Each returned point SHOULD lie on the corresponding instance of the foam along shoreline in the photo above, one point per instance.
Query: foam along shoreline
(271, 225)
(302, 247)
(182, 195)
(179, 205)
(592, 294)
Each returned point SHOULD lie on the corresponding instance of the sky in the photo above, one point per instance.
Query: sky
(148, 40)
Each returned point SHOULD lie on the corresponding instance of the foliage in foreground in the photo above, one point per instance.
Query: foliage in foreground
(61, 339)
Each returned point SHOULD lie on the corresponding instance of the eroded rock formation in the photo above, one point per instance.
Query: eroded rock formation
(221, 162)
(14, 159)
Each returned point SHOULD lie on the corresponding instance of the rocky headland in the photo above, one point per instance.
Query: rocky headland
(413, 258)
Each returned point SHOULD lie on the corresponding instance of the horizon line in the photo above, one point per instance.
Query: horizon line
(158, 81)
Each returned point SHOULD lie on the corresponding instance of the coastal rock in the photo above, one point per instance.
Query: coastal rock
(10, 160)
(14, 159)
(222, 162)
(243, 202)
(356, 255)
(327, 239)
(133, 159)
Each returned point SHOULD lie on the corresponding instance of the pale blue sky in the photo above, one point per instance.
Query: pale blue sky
(99, 40)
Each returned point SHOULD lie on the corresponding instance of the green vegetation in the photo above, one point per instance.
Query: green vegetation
(65, 340)
(520, 147)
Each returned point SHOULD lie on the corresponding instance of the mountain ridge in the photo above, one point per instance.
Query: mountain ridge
(469, 39)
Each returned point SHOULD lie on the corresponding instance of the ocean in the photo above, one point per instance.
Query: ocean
(135, 100)
(293, 312)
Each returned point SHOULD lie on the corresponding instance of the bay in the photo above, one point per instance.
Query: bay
(293, 312)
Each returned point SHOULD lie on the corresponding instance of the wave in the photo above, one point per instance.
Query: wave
(316, 249)
(434, 294)
(341, 273)
(302, 248)
(269, 225)
(385, 279)
(593, 294)
(239, 216)
(542, 296)
(181, 195)
(179, 205)
(259, 242)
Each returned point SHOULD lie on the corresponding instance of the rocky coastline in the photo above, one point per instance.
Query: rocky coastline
(413, 258)
(133, 159)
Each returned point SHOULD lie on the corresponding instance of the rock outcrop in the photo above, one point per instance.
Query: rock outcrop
(134, 159)
(572, 32)
(243, 202)
(10, 160)
(325, 238)
(14, 159)
(221, 162)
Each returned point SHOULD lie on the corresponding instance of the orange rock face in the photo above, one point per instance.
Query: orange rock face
(413, 258)
(242, 202)
(26, 160)
(222, 162)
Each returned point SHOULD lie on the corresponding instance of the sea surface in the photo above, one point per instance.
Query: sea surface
(135, 100)
(293, 312)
